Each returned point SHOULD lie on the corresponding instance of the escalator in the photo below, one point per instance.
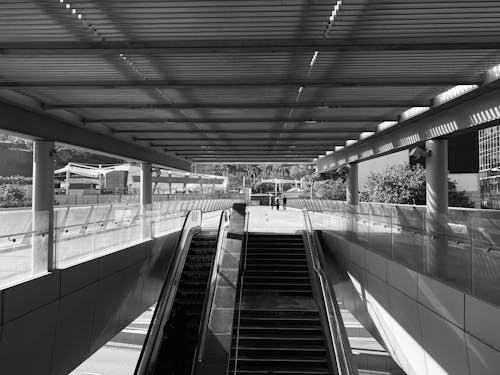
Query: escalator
(278, 327)
(172, 340)
(180, 334)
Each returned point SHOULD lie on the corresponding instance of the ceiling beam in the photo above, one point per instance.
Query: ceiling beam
(472, 111)
(262, 141)
(256, 159)
(238, 83)
(241, 120)
(280, 148)
(228, 105)
(244, 46)
(36, 125)
(251, 152)
(241, 131)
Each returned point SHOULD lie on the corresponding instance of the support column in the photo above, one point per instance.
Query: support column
(352, 194)
(435, 260)
(146, 198)
(43, 207)
(352, 199)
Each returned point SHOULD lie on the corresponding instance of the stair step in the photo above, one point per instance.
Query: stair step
(275, 286)
(262, 353)
(256, 267)
(279, 292)
(276, 342)
(277, 279)
(287, 314)
(280, 322)
(279, 332)
(279, 261)
(282, 363)
(279, 372)
(276, 273)
(271, 254)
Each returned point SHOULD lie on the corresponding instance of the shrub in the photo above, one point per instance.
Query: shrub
(12, 196)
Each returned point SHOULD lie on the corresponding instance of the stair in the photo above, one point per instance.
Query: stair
(181, 331)
(277, 329)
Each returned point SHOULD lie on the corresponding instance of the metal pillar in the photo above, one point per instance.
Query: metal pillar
(43, 207)
(352, 193)
(146, 198)
(437, 207)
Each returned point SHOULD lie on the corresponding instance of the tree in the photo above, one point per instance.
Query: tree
(331, 189)
(404, 184)
(297, 172)
(458, 198)
(399, 184)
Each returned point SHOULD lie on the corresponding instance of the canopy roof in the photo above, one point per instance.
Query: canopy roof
(233, 81)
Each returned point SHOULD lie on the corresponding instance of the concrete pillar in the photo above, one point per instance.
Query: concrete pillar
(352, 193)
(352, 199)
(146, 194)
(435, 259)
(43, 207)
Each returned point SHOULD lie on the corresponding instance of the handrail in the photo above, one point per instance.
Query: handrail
(240, 297)
(209, 296)
(116, 221)
(343, 354)
(146, 362)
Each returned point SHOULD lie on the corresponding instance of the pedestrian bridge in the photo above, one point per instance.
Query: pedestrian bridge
(168, 85)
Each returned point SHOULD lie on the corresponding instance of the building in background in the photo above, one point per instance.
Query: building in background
(489, 166)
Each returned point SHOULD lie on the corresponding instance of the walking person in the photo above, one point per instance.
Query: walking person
(284, 202)
(277, 202)
(271, 201)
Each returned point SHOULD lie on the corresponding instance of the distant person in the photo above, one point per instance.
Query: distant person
(277, 202)
(284, 202)
(271, 201)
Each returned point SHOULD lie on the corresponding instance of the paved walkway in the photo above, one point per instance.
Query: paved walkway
(265, 219)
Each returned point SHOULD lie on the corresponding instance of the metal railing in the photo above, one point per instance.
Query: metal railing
(153, 340)
(210, 294)
(344, 362)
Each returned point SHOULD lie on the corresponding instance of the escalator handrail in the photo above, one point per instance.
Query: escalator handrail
(209, 296)
(147, 358)
(343, 354)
